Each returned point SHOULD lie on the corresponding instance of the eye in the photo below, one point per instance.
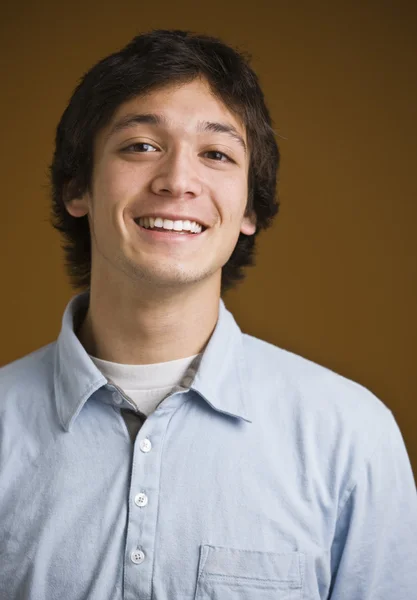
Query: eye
(219, 156)
(142, 147)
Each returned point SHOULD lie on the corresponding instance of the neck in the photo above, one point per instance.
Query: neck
(141, 328)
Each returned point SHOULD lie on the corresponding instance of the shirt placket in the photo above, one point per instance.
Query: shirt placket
(143, 506)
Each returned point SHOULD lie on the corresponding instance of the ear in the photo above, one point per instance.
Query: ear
(248, 226)
(78, 207)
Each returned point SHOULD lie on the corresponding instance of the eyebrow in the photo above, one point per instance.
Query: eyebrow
(131, 120)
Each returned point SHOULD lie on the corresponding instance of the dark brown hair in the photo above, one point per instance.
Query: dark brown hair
(150, 61)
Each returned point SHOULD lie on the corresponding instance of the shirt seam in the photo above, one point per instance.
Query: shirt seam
(366, 462)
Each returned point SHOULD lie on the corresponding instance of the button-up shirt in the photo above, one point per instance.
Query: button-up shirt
(263, 476)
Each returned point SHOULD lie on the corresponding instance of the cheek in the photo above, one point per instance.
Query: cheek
(232, 193)
(236, 204)
(116, 182)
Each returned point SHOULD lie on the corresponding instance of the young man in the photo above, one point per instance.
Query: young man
(154, 451)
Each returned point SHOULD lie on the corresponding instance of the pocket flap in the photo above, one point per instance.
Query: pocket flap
(251, 564)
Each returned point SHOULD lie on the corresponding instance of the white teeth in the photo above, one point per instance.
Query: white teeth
(151, 222)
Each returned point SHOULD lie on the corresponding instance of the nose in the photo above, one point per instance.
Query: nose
(177, 176)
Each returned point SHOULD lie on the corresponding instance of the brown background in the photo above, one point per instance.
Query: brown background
(336, 277)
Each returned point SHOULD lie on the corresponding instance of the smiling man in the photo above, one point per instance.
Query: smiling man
(154, 451)
(166, 207)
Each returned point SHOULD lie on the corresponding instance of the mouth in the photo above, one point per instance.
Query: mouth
(167, 232)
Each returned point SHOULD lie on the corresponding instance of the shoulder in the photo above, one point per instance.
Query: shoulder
(27, 375)
(318, 401)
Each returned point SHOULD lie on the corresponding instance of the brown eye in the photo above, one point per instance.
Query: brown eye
(140, 147)
(218, 156)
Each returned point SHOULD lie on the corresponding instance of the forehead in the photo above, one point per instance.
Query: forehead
(181, 105)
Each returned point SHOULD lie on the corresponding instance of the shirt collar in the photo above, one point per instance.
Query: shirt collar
(76, 377)
(220, 378)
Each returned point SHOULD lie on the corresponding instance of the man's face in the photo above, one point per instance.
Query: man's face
(174, 155)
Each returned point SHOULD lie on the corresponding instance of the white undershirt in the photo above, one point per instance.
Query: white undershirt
(146, 385)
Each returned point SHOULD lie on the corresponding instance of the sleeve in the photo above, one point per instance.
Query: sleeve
(374, 549)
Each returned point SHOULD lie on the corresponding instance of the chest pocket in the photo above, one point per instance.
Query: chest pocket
(231, 574)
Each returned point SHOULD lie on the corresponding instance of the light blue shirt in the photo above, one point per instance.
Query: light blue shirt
(266, 477)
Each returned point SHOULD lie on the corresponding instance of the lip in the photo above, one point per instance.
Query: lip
(169, 236)
(172, 217)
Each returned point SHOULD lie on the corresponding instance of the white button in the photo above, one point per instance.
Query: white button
(145, 445)
(141, 499)
(137, 557)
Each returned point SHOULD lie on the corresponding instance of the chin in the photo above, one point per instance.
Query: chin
(172, 278)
